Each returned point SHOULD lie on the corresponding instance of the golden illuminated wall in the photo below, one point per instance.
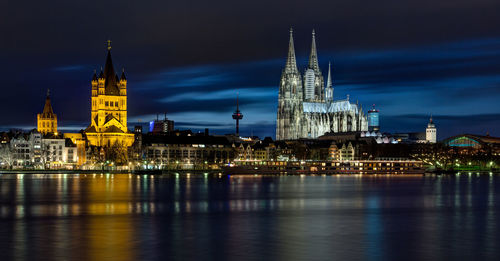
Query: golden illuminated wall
(46, 125)
(104, 105)
(47, 120)
(109, 108)
(79, 141)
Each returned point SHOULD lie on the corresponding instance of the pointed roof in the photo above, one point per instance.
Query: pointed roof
(109, 70)
(329, 79)
(313, 57)
(101, 74)
(110, 77)
(291, 62)
(123, 75)
(431, 123)
(47, 109)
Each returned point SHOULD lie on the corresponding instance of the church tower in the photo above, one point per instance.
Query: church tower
(47, 120)
(290, 97)
(313, 79)
(108, 119)
(430, 132)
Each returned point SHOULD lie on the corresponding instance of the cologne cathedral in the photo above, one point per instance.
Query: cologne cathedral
(306, 108)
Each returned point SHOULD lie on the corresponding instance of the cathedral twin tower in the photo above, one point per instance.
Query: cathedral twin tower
(306, 108)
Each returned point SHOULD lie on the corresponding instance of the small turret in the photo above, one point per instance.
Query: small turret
(101, 74)
(329, 86)
(123, 78)
(94, 77)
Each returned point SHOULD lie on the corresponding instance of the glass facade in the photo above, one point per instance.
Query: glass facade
(373, 122)
(464, 142)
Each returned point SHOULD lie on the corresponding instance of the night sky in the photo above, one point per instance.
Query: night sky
(190, 59)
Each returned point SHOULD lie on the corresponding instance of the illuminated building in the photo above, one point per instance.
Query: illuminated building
(186, 152)
(108, 122)
(470, 144)
(430, 132)
(161, 126)
(47, 120)
(79, 141)
(373, 119)
(306, 108)
(343, 153)
(36, 147)
(21, 150)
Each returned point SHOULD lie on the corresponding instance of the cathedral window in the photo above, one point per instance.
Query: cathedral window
(349, 123)
(106, 104)
(116, 104)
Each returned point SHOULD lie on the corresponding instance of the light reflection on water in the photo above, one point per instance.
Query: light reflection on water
(129, 217)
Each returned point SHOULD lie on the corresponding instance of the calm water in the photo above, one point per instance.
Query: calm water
(127, 217)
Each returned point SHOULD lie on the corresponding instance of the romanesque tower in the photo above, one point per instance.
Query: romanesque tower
(47, 120)
(108, 119)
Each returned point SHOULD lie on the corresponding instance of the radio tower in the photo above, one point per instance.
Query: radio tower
(237, 116)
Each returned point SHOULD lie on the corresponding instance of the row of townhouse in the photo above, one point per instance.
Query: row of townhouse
(34, 150)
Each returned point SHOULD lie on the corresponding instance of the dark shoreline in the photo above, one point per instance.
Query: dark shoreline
(221, 172)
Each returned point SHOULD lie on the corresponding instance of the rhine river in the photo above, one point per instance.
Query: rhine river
(129, 217)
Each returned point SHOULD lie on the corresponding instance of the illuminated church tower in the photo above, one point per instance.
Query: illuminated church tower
(108, 122)
(47, 120)
(430, 132)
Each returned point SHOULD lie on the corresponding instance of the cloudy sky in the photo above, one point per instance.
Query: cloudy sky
(190, 59)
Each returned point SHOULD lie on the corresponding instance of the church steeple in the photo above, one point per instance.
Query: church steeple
(291, 61)
(313, 57)
(110, 77)
(47, 120)
(108, 115)
(47, 109)
(109, 70)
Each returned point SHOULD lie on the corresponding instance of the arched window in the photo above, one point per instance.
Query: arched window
(349, 123)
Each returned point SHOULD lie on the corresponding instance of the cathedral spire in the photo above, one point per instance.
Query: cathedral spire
(291, 62)
(313, 57)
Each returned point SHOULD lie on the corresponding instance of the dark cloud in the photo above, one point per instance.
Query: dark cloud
(190, 58)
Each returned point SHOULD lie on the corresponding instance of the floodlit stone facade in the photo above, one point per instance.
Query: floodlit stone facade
(306, 108)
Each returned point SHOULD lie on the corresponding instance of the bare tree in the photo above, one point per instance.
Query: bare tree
(7, 155)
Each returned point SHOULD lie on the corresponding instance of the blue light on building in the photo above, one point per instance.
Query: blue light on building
(373, 119)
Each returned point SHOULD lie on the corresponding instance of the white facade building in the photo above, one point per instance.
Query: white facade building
(430, 132)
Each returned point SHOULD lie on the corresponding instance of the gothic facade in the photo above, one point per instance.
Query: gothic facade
(306, 108)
